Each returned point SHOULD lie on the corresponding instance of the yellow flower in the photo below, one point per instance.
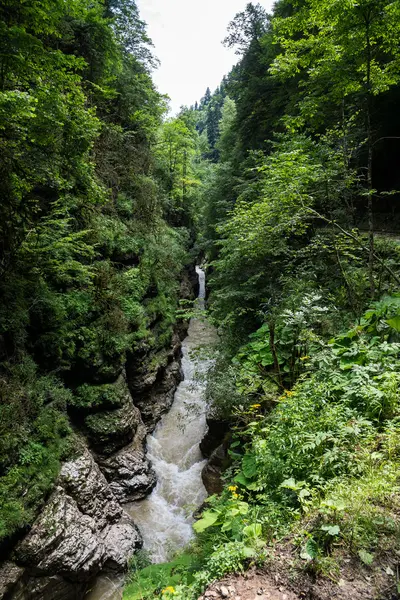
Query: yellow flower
(255, 406)
(304, 357)
(232, 488)
(168, 590)
(234, 495)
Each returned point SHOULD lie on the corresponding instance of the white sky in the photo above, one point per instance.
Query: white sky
(187, 36)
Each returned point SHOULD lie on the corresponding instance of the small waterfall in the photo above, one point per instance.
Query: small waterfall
(165, 517)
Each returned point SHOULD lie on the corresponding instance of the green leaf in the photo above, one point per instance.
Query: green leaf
(309, 550)
(240, 478)
(334, 504)
(236, 444)
(366, 557)
(249, 552)
(394, 322)
(253, 531)
(249, 466)
(208, 519)
(331, 529)
(289, 484)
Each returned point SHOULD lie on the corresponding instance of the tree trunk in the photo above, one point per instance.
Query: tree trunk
(370, 145)
(272, 346)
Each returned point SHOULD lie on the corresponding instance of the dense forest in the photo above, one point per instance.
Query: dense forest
(94, 230)
(285, 183)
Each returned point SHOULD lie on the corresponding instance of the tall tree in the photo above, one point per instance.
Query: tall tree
(247, 28)
(350, 54)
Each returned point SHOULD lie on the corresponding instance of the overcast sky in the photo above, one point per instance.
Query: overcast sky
(187, 35)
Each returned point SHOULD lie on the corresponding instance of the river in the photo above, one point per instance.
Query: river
(165, 517)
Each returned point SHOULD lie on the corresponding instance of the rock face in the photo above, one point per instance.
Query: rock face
(63, 541)
(10, 573)
(159, 399)
(216, 432)
(190, 285)
(54, 587)
(109, 430)
(212, 472)
(214, 446)
(153, 379)
(117, 437)
(81, 530)
(128, 471)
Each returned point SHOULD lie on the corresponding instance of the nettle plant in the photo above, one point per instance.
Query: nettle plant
(280, 348)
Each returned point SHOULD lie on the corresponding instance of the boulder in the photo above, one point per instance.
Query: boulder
(53, 587)
(217, 430)
(153, 405)
(62, 541)
(189, 289)
(81, 531)
(110, 430)
(212, 471)
(82, 480)
(128, 471)
(10, 573)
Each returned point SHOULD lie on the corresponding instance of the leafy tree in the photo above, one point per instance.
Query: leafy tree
(350, 54)
(247, 28)
(131, 30)
(176, 149)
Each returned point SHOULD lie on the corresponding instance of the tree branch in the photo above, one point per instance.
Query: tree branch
(356, 239)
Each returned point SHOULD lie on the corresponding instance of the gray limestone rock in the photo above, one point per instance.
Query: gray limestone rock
(212, 472)
(10, 573)
(63, 541)
(121, 540)
(159, 400)
(54, 587)
(128, 471)
(81, 530)
(82, 479)
(110, 430)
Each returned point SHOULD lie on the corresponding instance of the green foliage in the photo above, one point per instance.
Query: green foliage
(176, 154)
(325, 46)
(95, 396)
(89, 267)
(297, 158)
(222, 393)
(283, 344)
(147, 581)
(323, 464)
(320, 436)
(34, 438)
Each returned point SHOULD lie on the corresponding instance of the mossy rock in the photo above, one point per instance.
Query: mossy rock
(108, 431)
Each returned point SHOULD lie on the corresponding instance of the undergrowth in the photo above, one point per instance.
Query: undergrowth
(320, 464)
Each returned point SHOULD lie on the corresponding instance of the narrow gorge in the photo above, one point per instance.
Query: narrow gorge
(165, 518)
(135, 483)
(199, 300)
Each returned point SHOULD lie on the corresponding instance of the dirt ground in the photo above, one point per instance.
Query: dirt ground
(251, 586)
(286, 579)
